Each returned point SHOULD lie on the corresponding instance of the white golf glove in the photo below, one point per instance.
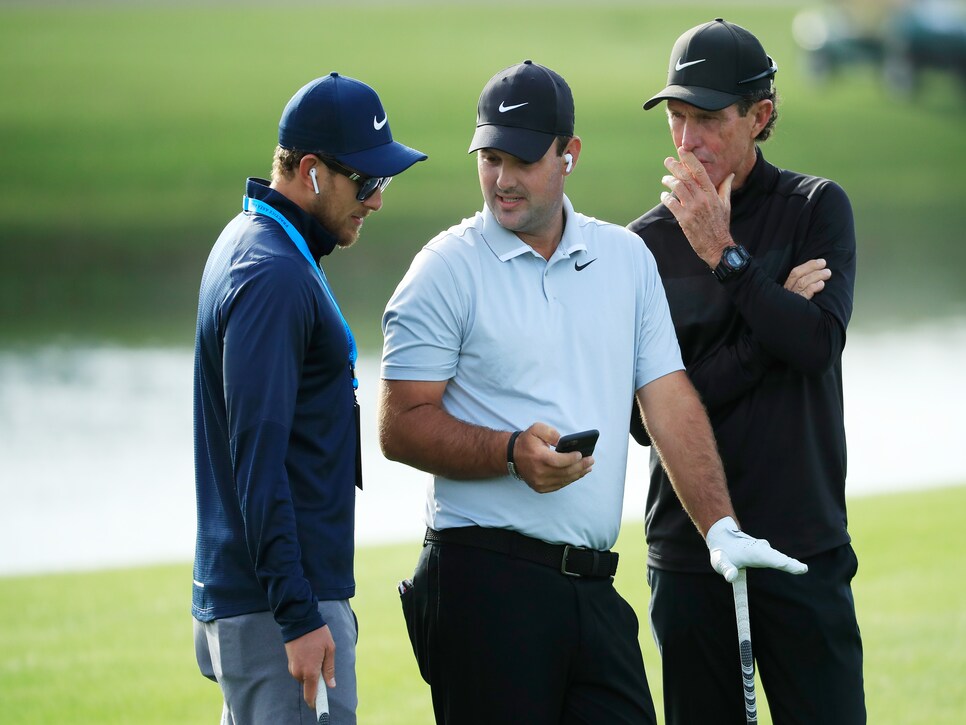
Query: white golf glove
(732, 549)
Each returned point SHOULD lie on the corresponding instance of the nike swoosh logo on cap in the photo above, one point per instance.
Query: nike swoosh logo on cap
(504, 109)
(379, 124)
(681, 66)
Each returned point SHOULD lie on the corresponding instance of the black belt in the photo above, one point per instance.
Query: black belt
(567, 559)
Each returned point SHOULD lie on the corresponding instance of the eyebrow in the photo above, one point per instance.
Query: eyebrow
(697, 112)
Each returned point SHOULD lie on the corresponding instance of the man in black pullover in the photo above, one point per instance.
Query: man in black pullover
(758, 265)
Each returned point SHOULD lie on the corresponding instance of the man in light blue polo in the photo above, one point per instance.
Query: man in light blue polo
(525, 322)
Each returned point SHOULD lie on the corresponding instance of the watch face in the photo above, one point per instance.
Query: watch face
(733, 260)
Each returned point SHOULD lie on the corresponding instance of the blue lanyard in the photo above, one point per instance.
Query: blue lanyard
(260, 207)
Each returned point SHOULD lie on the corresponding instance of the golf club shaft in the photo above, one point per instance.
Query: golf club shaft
(743, 618)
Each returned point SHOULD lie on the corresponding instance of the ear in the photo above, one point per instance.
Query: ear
(763, 112)
(303, 178)
(573, 148)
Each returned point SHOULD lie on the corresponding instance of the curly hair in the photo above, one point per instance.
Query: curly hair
(285, 162)
(745, 104)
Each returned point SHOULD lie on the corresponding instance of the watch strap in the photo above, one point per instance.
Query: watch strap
(510, 465)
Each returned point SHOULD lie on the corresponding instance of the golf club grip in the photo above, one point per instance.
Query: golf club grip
(322, 704)
(743, 619)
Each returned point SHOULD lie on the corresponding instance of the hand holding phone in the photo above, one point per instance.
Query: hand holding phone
(584, 441)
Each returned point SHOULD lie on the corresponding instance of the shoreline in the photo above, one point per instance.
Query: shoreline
(96, 465)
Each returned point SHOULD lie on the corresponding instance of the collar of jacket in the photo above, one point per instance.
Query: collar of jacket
(759, 184)
(320, 241)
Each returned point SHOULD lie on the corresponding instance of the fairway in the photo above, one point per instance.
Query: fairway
(115, 646)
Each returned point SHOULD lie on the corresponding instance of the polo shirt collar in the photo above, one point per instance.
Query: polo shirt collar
(506, 245)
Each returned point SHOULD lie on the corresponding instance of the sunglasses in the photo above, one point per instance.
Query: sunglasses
(367, 184)
(772, 70)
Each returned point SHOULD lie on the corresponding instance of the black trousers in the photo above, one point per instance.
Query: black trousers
(504, 640)
(804, 636)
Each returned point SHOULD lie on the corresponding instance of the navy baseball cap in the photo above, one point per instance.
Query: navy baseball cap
(344, 118)
(521, 111)
(714, 65)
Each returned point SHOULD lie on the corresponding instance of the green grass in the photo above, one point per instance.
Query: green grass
(115, 646)
(129, 129)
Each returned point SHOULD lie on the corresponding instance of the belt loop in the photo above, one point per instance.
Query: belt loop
(513, 546)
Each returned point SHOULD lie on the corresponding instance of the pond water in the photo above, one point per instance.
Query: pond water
(96, 449)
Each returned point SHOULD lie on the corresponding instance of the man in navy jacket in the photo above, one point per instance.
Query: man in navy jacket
(277, 456)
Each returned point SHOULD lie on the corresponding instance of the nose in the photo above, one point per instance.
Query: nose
(505, 178)
(374, 202)
(690, 136)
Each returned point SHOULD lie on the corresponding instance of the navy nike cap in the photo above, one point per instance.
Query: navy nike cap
(714, 65)
(522, 109)
(344, 118)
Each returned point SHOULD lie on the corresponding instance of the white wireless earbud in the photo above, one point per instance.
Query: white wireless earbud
(570, 161)
(315, 182)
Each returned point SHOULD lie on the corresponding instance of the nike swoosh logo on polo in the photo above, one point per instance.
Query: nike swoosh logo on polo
(379, 124)
(681, 66)
(504, 109)
(582, 267)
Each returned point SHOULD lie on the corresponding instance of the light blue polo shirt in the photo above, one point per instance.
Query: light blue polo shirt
(522, 339)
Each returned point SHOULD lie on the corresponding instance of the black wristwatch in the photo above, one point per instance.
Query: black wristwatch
(734, 259)
(511, 465)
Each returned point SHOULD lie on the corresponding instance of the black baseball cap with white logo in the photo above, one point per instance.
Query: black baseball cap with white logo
(344, 118)
(521, 111)
(714, 65)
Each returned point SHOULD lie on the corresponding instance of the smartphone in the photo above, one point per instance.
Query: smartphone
(584, 441)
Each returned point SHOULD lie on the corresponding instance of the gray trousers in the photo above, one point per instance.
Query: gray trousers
(245, 655)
